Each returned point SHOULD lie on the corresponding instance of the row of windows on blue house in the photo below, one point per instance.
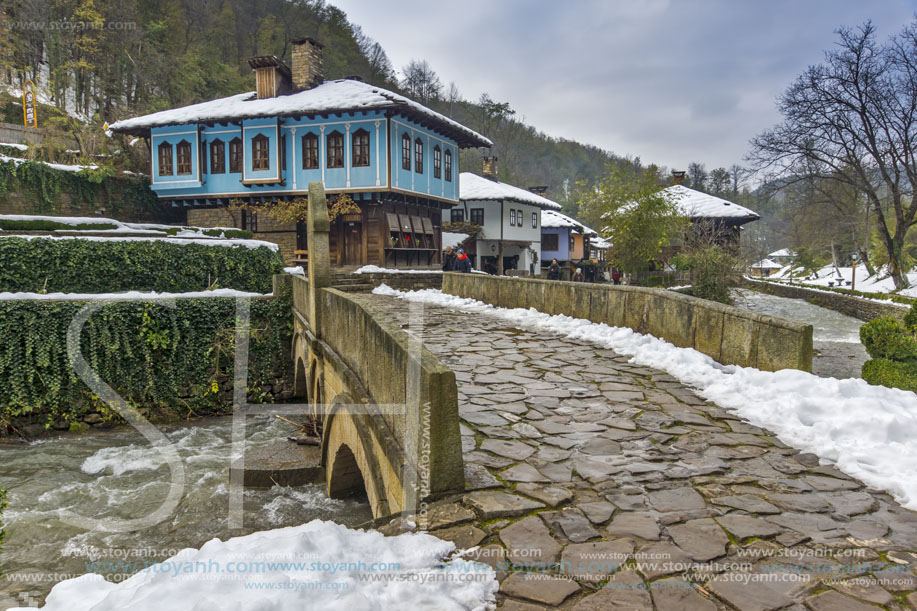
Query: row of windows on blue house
(261, 155)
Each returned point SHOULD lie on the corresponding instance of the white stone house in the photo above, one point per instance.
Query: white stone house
(510, 221)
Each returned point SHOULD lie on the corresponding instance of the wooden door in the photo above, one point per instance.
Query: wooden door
(353, 243)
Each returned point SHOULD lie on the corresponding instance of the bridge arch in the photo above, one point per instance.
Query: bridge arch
(351, 458)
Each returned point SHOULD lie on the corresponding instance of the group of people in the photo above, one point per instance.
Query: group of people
(456, 262)
(554, 273)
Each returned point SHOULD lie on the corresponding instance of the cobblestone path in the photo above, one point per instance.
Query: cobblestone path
(597, 484)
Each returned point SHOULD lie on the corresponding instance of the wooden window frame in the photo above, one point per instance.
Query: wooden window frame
(236, 156)
(448, 165)
(534, 220)
(359, 149)
(405, 152)
(183, 158)
(418, 156)
(334, 150)
(512, 217)
(217, 157)
(458, 215)
(437, 162)
(311, 156)
(476, 213)
(261, 153)
(166, 159)
(550, 241)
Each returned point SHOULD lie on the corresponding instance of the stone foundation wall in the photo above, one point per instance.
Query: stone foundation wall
(729, 335)
(857, 307)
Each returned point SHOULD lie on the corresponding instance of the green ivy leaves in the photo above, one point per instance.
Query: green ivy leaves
(153, 355)
(92, 266)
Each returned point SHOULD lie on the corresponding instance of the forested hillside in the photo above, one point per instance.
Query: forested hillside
(107, 59)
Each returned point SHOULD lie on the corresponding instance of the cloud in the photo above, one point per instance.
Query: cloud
(670, 82)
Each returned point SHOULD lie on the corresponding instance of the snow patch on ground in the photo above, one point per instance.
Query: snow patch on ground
(375, 269)
(55, 166)
(869, 432)
(840, 276)
(315, 566)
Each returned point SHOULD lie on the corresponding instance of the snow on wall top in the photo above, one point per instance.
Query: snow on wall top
(472, 186)
(330, 96)
(550, 218)
(783, 252)
(696, 204)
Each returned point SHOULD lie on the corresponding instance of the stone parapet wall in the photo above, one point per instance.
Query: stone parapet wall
(857, 307)
(729, 335)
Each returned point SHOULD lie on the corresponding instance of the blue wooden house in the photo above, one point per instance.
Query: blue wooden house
(396, 158)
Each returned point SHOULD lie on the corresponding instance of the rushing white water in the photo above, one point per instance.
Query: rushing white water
(117, 474)
(827, 325)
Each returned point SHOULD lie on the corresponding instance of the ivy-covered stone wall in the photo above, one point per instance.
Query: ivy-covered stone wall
(32, 187)
(170, 360)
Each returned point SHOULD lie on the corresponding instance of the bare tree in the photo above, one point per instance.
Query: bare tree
(421, 82)
(854, 118)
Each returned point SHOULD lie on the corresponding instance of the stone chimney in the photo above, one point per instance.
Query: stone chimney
(489, 167)
(308, 60)
(678, 177)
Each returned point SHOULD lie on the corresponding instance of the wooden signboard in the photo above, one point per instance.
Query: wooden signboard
(29, 107)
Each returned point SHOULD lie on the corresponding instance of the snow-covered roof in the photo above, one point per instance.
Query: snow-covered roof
(599, 242)
(783, 252)
(696, 204)
(550, 218)
(331, 96)
(766, 264)
(472, 186)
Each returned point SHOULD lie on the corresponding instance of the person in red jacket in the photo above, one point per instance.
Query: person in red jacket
(462, 262)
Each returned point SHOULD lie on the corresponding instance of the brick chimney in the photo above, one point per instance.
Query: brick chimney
(308, 60)
(489, 167)
(678, 177)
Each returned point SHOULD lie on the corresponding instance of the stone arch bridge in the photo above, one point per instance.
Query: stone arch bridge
(389, 408)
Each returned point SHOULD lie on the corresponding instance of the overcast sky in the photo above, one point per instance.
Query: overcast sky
(670, 81)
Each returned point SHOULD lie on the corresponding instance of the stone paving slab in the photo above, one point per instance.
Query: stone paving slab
(588, 460)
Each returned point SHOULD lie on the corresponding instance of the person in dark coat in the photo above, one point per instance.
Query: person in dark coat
(462, 262)
(554, 270)
(449, 260)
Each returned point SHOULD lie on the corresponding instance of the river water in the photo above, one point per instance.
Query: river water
(836, 337)
(117, 474)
